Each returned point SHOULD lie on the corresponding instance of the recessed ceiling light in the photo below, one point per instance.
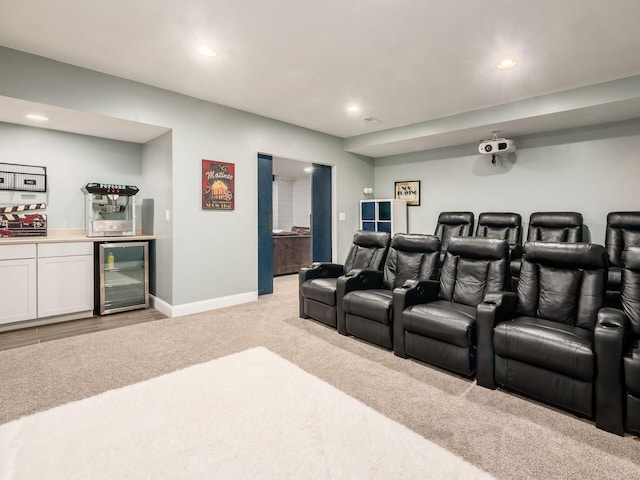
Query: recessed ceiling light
(37, 117)
(506, 63)
(205, 51)
(353, 109)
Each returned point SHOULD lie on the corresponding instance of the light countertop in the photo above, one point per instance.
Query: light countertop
(71, 235)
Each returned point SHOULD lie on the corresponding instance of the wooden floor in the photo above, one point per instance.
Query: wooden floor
(44, 333)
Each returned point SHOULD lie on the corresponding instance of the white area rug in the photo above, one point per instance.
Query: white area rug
(252, 415)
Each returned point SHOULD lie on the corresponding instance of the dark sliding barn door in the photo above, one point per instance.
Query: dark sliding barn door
(321, 213)
(265, 224)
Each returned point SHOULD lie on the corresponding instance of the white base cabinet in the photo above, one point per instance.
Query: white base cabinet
(18, 294)
(65, 278)
(48, 281)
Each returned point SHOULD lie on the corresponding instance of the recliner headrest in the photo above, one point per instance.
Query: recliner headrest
(624, 220)
(455, 218)
(412, 242)
(493, 219)
(556, 219)
(371, 239)
(568, 255)
(479, 247)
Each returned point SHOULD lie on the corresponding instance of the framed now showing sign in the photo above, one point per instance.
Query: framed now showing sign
(408, 191)
(218, 187)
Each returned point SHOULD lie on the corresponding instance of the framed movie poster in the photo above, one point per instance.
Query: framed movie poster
(218, 188)
(409, 191)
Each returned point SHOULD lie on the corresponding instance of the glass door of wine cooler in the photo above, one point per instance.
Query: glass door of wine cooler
(124, 276)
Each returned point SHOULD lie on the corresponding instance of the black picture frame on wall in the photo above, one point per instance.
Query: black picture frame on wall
(408, 191)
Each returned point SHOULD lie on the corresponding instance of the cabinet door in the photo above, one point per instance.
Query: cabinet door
(384, 210)
(65, 285)
(17, 290)
(367, 210)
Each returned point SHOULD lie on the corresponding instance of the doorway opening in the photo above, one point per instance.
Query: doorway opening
(291, 215)
(294, 217)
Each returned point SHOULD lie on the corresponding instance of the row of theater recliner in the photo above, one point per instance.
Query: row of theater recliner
(444, 299)
(623, 229)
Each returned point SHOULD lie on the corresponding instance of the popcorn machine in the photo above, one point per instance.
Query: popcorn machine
(110, 210)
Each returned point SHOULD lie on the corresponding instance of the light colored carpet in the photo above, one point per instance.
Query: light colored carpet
(249, 415)
(506, 435)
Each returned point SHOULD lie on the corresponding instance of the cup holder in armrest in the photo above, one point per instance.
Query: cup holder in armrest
(409, 284)
(608, 325)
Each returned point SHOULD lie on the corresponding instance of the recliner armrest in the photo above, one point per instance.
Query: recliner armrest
(411, 283)
(412, 292)
(495, 308)
(360, 280)
(505, 305)
(611, 318)
(313, 271)
(320, 270)
(354, 280)
(609, 336)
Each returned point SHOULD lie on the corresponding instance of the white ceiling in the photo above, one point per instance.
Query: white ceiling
(404, 62)
(13, 110)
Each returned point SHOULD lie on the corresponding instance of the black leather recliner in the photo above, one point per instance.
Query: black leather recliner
(317, 283)
(540, 341)
(555, 227)
(503, 226)
(436, 321)
(623, 230)
(452, 224)
(618, 341)
(365, 297)
(565, 227)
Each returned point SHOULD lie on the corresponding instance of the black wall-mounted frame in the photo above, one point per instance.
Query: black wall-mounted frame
(23, 178)
(408, 191)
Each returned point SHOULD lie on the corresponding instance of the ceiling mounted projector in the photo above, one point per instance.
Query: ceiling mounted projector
(496, 146)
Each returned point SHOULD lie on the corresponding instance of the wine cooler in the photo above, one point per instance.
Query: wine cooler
(123, 276)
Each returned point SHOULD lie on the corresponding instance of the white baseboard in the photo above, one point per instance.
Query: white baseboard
(160, 305)
(202, 306)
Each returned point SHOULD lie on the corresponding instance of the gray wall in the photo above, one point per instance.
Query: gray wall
(214, 254)
(590, 170)
(72, 161)
(157, 186)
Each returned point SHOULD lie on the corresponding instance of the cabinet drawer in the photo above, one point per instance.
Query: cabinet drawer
(64, 249)
(14, 252)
